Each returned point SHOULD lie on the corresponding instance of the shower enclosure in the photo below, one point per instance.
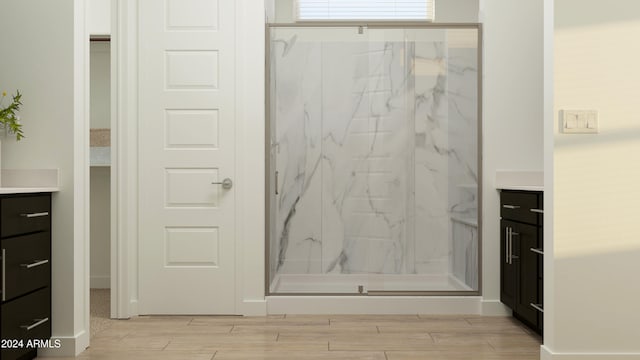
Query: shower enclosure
(373, 159)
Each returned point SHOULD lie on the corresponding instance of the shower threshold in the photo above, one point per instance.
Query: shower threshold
(350, 283)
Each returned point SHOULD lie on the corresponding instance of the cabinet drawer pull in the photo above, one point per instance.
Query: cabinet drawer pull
(512, 207)
(515, 234)
(37, 323)
(538, 211)
(537, 307)
(506, 245)
(4, 284)
(34, 264)
(35, 215)
(537, 251)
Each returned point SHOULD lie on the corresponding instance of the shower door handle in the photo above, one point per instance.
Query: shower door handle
(276, 181)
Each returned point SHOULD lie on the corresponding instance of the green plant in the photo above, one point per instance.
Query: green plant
(8, 118)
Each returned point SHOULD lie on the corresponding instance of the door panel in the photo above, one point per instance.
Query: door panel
(186, 138)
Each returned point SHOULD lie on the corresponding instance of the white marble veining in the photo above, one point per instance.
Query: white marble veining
(370, 162)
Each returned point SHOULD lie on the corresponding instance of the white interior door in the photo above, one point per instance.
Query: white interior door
(186, 137)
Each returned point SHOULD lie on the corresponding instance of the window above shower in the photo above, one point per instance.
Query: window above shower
(314, 10)
(374, 159)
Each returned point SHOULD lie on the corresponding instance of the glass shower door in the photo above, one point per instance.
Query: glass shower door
(373, 160)
(434, 72)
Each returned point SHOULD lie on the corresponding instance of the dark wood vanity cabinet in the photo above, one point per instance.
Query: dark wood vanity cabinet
(521, 249)
(25, 233)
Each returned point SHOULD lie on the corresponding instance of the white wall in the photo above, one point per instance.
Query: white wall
(512, 114)
(453, 11)
(446, 11)
(270, 10)
(595, 297)
(250, 215)
(100, 54)
(284, 11)
(44, 56)
(99, 19)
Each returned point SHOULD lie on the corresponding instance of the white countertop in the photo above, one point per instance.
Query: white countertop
(28, 181)
(522, 187)
(520, 180)
(27, 190)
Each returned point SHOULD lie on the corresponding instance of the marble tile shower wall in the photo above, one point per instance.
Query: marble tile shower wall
(464, 262)
(363, 144)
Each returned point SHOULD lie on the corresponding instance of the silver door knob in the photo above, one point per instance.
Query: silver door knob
(226, 183)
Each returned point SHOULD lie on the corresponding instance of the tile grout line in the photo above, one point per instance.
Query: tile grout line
(491, 346)
(168, 342)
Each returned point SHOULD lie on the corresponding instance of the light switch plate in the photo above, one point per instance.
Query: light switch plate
(579, 121)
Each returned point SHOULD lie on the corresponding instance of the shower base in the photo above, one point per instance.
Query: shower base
(350, 283)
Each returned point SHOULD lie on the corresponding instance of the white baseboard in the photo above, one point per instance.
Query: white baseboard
(373, 305)
(547, 354)
(100, 282)
(494, 308)
(64, 346)
(254, 308)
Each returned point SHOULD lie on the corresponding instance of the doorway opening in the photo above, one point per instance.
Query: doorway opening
(100, 182)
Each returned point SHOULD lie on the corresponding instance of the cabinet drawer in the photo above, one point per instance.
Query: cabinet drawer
(518, 206)
(28, 317)
(25, 214)
(26, 261)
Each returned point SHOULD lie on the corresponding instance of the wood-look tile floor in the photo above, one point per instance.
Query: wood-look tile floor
(339, 337)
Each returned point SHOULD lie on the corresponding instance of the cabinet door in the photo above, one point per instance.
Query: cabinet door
(508, 272)
(524, 238)
(540, 281)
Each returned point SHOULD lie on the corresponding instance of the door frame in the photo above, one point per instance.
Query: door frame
(250, 158)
